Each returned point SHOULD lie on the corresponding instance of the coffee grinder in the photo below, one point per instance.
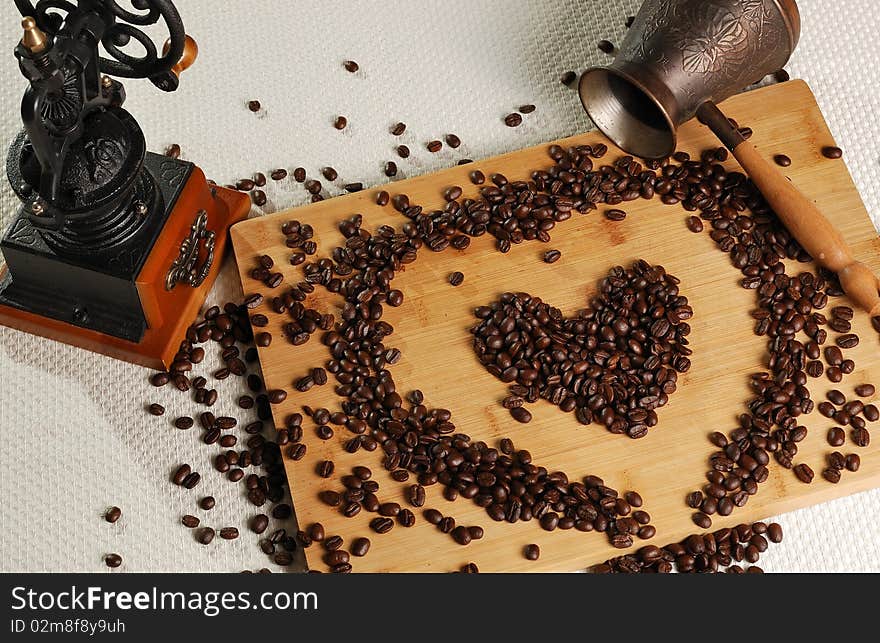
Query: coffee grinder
(114, 248)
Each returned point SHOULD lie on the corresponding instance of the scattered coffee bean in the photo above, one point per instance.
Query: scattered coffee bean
(340, 123)
(351, 66)
(254, 105)
(453, 141)
(782, 160)
(113, 560)
(206, 535)
(513, 120)
(532, 552)
(113, 514)
(832, 152)
(606, 47)
(527, 109)
(434, 146)
(615, 215)
(804, 473)
(552, 256)
(403, 151)
(190, 521)
(456, 278)
(568, 78)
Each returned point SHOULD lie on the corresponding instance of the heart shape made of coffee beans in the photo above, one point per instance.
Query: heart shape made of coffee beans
(614, 363)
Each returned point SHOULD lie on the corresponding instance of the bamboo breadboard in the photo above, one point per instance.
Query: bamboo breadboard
(432, 331)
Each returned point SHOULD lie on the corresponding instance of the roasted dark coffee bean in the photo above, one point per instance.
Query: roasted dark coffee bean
(831, 475)
(701, 520)
(434, 146)
(173, 151)
(330, 174)
(456, 278)
(180, 475)
(694, 224)
(416, 495)
(383, 198)
(513, 120)
(453, 141)
(532, 552)
(398, 129)
(852, 462)
(299, 174)
(351, 66)
(207, 503)
(406, 518)
(521, 414)
(860, 437)
(277, 396)
(113, 514)
(254, 105)
(403, 151)
(568, 78)
(156, 409)
(259, 198)
(461, 535)
(871, 413)
(865, 390)
(229, 533)
(360, 547)
(836, 436)
(850, 340)
(184, 422)
(381, 525)
(433, 516)
(782, 160)
(206, 535)
(325, 468)
(606, 47)
(340, 123)
(832, 152)
(113, 560)
(615, 215)
(259, 523)
(804, 473)
(190, 521)
(552, 256)
(477, 177)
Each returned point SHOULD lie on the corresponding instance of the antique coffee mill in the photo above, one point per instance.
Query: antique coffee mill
(114, 248)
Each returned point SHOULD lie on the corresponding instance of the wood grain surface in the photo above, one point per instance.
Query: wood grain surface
(432, 331)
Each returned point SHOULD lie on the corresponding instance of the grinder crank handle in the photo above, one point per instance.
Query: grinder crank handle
(811, 228)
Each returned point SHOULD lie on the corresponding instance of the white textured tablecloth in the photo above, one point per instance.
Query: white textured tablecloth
(75, 437)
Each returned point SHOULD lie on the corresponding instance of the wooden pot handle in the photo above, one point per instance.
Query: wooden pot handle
(810, 227)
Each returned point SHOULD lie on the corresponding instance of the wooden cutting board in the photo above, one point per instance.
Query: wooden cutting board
(431, 329)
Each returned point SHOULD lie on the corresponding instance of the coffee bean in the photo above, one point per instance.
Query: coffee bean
(159, 379)
(453, 141)
(329, 173)
(113, 560)
(477, 177)
(434, 146)
(340, 123)
(113, 514)
(245, 185)
(406, 518)
(552, 256)
(382, 198)
(156, 409)
(804, 473)
(277, 396)
(852, 462)
(694, 224)
(259, 523)
(206, 535)
(871, 413)
(351, 66)
(513, 120)
(865, 390)
(568, 78)
(615, 215)
(190, 521)
(254, 105)
(832, 152)
(390, 169)
(831, 475)
(381, 525)
(836, 436)
(184, 422)
(398, 129)
(456, 278)
(701, 520)
(403, 151)
(263, 339)
(180, 475)
(173, 151)
(521, 414)
(229, 533)
(782, 160)
(461, 535)
(299, 174)
(532, 552)
(606, 47)
(207, 503)
(259, 198)
(861, 437)
(360, 547)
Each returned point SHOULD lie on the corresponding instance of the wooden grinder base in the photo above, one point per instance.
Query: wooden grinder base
(169, 313)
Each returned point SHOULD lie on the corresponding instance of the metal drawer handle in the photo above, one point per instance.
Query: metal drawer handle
(184, 269)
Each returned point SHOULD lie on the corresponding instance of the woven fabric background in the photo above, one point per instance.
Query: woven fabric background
(75, 438)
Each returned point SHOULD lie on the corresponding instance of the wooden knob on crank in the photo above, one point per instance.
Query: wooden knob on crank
(187, 58)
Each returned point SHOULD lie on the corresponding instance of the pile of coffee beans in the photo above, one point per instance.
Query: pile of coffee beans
(614, 362)
(718, 552)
